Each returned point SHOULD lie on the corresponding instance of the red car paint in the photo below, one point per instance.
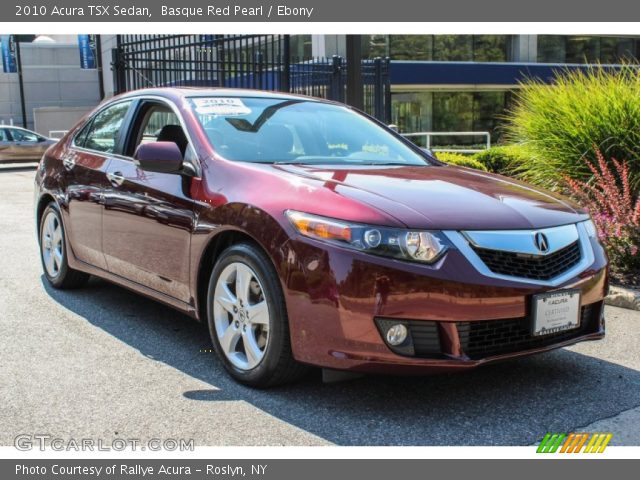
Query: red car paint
(157, 235)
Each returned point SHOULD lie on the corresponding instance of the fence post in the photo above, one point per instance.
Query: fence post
(257, 70)
(378, 90)
(336, 87)
(285, 80)
(117, 66)
(387, 90)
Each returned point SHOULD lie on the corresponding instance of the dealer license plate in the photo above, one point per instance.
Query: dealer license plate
(556, 312)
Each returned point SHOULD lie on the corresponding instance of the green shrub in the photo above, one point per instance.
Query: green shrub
(460, 160)
(559, 124)
(502, 159)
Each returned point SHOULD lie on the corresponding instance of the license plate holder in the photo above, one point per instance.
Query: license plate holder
(555, 312)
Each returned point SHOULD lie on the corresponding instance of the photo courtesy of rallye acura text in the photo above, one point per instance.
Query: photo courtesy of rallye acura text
(308, 234)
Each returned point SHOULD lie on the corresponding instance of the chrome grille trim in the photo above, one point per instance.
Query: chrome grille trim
(522, 241)
(461, 242)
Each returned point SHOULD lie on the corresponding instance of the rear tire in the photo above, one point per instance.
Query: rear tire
(53, 252)
(247, 319)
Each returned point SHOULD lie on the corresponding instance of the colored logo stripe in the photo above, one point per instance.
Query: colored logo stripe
(573, 442)
(598, 443)
(550, 443)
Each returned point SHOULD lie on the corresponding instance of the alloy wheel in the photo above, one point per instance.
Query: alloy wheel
(51, 244)
(241, 316)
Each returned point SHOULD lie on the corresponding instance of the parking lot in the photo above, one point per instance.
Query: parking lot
(105, 363)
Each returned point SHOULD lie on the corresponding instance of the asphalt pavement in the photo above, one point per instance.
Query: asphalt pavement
(104, 363)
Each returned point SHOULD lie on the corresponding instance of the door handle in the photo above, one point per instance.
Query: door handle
(69, 162)
(116, 178)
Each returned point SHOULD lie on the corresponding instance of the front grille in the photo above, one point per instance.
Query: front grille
(486, 338)
(497, 337)
(534, 267)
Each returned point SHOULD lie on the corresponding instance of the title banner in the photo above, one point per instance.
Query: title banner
(319, 11)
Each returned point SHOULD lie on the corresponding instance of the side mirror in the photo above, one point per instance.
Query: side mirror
(163, 157)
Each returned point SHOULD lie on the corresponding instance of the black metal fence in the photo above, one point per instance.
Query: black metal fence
(243, 61)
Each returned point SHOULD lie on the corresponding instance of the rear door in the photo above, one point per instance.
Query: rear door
(149, 217)
(85, 166)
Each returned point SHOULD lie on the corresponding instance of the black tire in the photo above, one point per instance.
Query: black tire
(66, 277)
(277, 366)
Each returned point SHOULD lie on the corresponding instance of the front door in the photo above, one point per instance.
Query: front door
(149, 216)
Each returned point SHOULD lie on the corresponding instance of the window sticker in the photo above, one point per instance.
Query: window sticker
(225, 107)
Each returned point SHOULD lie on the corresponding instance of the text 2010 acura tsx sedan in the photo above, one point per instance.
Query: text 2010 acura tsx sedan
(305, 233)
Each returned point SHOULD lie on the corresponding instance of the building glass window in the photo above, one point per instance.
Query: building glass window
(453, 48)
(586, 49)
(451, 111)
(440, 48)
(300, 46)
(617, 49)
(490, 48)
(582, 49)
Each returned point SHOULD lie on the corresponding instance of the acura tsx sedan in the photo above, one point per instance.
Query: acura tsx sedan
(306, 233)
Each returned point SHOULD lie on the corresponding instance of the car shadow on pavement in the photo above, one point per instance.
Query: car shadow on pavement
(511, 403)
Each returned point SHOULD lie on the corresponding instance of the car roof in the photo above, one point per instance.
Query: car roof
(176, 93)
(15, 127)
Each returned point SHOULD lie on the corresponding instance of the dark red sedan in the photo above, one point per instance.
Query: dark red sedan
(306, 233)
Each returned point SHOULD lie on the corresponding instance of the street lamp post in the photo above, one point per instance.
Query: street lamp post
(355, 90)
(23, 105)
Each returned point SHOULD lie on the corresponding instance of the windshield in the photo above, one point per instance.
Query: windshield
(268, 130)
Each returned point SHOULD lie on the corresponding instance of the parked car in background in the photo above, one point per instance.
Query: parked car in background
(22, 145)
(306, 233)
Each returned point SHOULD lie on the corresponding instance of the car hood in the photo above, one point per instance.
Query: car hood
(444, 197)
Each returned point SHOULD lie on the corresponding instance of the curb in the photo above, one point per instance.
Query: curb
(623, 298)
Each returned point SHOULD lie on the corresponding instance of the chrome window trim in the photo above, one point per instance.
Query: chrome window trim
(522, 241)
(586, 259)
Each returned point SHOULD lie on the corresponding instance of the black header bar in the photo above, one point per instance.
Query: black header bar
(319, 11)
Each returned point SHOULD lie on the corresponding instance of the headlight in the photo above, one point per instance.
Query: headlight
(591, 229)
(420, 246)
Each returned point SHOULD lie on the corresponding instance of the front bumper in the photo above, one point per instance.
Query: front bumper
(337, 297)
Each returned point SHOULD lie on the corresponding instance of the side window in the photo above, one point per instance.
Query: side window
(23, 136)
(156, 120)
(105, 128)
(3, 135)
(81, 137)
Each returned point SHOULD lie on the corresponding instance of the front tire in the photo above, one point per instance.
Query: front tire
(53, 252)
(247, 319)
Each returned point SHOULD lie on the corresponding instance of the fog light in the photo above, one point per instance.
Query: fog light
(397, 334)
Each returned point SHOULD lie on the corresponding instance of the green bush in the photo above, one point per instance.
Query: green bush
(502, 159)
(460, 160)
(560, 124)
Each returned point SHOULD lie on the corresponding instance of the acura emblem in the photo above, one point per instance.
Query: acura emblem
(541, 241)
